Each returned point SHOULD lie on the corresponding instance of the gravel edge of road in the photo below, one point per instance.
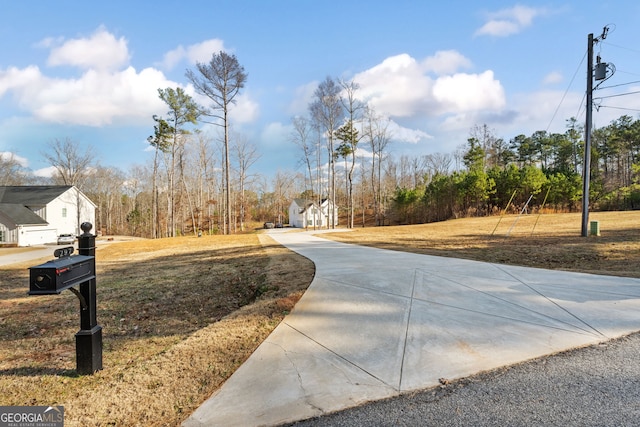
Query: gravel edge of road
(598, 385)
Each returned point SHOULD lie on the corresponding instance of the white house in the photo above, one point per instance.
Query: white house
(306, 213)
(34, 215)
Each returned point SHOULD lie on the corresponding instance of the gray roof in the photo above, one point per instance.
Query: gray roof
(16, 199)
(29, 195)
(21, 215)
(303, 203)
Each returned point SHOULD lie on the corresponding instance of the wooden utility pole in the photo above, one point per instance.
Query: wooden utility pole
(586, 166)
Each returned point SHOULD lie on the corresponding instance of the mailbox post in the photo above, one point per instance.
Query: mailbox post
(63, 273)
(89, 337)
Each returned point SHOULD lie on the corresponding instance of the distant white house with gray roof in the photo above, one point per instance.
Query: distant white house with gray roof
(308, 214)
(35, 215)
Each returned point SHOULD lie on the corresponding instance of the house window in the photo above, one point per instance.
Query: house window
(64, 212)
(2, 236)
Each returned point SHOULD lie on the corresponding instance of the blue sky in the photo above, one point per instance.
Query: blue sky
(89, 71)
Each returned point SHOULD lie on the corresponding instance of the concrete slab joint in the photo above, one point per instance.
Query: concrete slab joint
(376, 323)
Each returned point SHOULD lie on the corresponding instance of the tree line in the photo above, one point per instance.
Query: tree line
(196, 182)
(543, 170)
(343, 140)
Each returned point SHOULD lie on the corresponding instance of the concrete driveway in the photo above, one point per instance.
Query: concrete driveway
(376, 323)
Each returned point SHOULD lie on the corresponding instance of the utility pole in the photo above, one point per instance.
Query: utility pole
(586, 167)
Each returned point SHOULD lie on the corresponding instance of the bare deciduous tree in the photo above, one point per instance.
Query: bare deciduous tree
(438, 163)
(246, 154)
(105, 186)
(326, 111)
(353, 107)
(205, 171)
(72, 166)
(70, 162)
(301, 137)
(11, 171)
(376, 132)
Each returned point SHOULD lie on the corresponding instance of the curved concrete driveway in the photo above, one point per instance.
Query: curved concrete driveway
(376, 323)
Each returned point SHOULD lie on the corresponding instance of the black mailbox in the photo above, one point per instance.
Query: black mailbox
(65, 272)
(55, 276)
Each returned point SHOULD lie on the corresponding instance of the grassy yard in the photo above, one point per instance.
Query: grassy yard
(180, 315)
(547, 241)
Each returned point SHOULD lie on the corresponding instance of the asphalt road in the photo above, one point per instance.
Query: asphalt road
(34, 253)
(45, 252)
(592, 386)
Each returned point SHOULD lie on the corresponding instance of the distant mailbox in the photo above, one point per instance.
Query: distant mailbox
(55, 276)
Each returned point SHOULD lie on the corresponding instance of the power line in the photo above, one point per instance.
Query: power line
(584, 96)
(629, 73)
(621, 47)
(620, 94)
(566, 91)
(621, 84)
(617, 108)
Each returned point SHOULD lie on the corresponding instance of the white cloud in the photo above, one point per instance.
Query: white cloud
(107, 91)
(553, 78)
(396, 87)
(419, 95)
(202, 52)
(498, 28)
(537, 110)
(47, 172)
(302, 98)
(404, 134)
(245, 110)
(541, 106)
(100, 51)
(173, 57)
(199, 52)
(509, 21)
(96, 98)
(401, 87)
(8, 156)
(540, 110)
(276, 134)
(101, 95)
(15, 79)
(469, 92)
(446, 62)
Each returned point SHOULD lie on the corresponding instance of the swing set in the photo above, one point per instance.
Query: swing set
(522, 211)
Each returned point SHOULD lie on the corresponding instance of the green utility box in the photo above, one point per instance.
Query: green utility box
(595, 228)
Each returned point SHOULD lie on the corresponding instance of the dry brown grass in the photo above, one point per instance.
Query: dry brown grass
(180, 315)
(546, 241)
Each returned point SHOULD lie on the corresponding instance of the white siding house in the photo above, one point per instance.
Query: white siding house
(306, 213)
(34, 215)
